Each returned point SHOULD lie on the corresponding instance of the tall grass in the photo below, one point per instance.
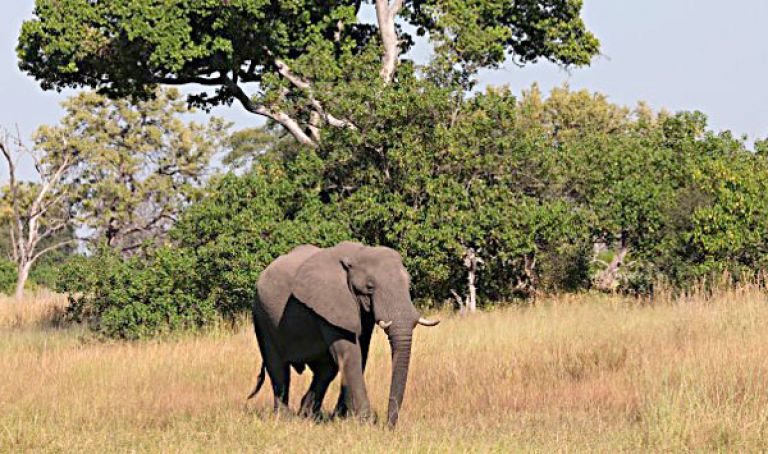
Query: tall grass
(40, 308)
(575, 373)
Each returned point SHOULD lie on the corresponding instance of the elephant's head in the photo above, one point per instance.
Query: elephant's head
(350, 278)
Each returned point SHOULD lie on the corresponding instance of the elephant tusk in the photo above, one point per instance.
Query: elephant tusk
(426, 322)
(384, 325)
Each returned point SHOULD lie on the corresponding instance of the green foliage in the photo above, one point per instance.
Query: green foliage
(307, 66)
(730, 232)
(249, 221)
(536, 186)
(136, 298)
(531, 184)
(541, 189)
(243, 146)
(138, 163)
(125, 47)
(8, 274)
(45, 273)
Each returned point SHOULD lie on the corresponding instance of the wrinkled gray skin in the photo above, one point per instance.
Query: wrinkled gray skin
(317, 308)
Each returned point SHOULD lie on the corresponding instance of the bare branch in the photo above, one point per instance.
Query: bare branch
(17, 223)
(314, 125)
(33, 237)
(339, 30)
(395, 8)
(285, 120)
(209, 81)
(459, 300)
(25, 227)
(14, 252)
(45, 206)
(48, 185)
(286, 72)
(333, 121)
(146, 227)
(53, 229)
(50, 249)
(302, 84)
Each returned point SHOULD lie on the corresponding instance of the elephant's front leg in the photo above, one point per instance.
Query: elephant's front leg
(364, 340)
(349, 358)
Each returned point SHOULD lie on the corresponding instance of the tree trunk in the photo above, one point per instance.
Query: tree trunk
(385, 14)
(21, 280)
(472, 303)
(606, 279)
(471, 262)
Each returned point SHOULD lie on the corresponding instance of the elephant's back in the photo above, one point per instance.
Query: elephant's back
(276, 281)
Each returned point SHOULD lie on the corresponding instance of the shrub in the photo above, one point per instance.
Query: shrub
(8, 273)
(246, 222)
(138, 297)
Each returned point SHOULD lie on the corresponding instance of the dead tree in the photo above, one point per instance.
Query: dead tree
(37, 209)
(471, 262)
(607, 279)
(527, 284)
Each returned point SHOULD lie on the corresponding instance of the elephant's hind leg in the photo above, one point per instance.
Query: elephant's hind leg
(323, 375)
(280, 376)
(277, 369)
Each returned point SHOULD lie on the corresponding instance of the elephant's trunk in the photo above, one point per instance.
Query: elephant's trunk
(400, 342)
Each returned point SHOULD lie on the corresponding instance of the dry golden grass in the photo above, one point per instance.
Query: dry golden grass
(39, 308)
(584, 373)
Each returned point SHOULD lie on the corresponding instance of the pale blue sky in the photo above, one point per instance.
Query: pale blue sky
(706, 55)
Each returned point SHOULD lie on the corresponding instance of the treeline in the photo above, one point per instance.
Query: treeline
(482, 192)
(558, 194)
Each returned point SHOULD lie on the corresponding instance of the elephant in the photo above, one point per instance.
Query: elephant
(317, 308)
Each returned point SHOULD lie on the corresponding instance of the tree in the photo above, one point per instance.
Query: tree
(45, 270)
(37, 211)
(288, 61)
(245, 146)
(138, 163)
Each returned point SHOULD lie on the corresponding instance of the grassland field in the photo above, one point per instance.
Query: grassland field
(570, 374)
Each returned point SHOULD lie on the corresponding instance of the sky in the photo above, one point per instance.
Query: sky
(706, 55)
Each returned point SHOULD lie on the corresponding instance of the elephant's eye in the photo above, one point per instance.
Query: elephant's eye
(369, 285)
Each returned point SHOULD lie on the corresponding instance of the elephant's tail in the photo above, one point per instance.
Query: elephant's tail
(259, 381)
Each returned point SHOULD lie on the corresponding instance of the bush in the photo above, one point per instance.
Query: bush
(8, 274)
(136, 298)
(246, 222)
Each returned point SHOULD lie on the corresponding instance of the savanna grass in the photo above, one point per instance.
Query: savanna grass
(573, 373)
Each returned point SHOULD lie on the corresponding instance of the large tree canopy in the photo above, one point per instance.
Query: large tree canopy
(280, 59)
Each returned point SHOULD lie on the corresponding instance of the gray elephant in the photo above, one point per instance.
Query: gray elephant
(317, 309)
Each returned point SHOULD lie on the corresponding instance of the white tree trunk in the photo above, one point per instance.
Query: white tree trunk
(385, 15)
(21, 280)
(472, 303)
(607, 279)
(471, 262)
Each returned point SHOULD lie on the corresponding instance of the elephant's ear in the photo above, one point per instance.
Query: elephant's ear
(321, 284)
